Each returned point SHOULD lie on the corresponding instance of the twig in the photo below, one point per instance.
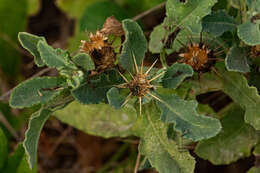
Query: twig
(6, 95)
(59, 140)
(145, 13)
(137, 163)
(9, 127)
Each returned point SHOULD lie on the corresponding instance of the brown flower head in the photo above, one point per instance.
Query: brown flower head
(255, 51)
(112, 26)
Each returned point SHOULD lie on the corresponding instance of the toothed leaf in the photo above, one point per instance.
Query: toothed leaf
(32, 135)
(249, 33)
(35, 91)
(162, 153)
(175, 75)
(243, 136)
(114, 98)
(84, 61)
(236, 60)
(29, 42)
(134, 46)
(186, 119)
(218, 22)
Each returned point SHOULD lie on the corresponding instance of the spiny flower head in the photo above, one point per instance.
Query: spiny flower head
(196, 56)
(140, 83)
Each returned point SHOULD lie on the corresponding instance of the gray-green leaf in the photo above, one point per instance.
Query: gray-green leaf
(236, 60)
(99, 119)
(218, 22)
(249, 33)
(235, 85)
(176, 74)
(84, 61)
(235, 141)
(163, 153)
(134, 46)
(32, 135)
(29, 42)
(35, 91)
(51, 57)
(114, 98)
(186, 119)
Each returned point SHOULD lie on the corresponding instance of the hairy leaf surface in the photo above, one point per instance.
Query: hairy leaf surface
(29, 42)
(235, 140)
(186, 119)
(32, 135)
(236, 60)
(134, 46)
(35, 91)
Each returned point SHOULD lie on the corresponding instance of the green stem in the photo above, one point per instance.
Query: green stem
(163, 58)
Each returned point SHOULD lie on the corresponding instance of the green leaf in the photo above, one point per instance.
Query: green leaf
(236, 60)
(114, 98)
(84, 61)
(186, 119)
(35, 91)
(16, 161)
(53, 58)
(95, 15)
(3, 148)
(175, 75)
(13, 17)
(156, 42)
(134, 46)
(33, 7)
(29, 42)
(94, 91)
(235, 141)
(99, 119)
(189, 13)
(254, 170)
(235, 85)
(218, 22)
(163, 153)
(249, 33)
(32, 135)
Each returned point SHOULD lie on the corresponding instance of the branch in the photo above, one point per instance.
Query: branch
(145, 13)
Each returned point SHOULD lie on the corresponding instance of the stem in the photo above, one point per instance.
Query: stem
(137, 162)
(163, 58)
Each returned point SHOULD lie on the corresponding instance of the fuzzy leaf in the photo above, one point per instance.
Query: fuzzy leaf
(186, 119)
(99, 119)
(235, 141)
(189, 13)
(84, 60)
(249, 33)
(35, 91)
(176, 74)
(135, 45)
(32, 135)
(218, 22)
(53, 58)
(94, 91)
(29, 42)
(156, 39)
(235, 85)
(162, 153)
(3, 148)
(16, 161)
(236, 60)
(114, 98)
